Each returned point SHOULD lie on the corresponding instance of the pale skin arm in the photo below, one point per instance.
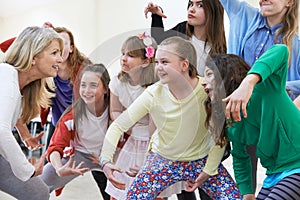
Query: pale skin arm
(154, 9)
(237, 101)
(116, 108)
(32, 143)
(297, 102)
(69, 168)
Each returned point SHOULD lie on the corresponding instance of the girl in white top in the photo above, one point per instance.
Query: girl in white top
(137, 73)
(80, 132)
(33, 56)
(181, 148)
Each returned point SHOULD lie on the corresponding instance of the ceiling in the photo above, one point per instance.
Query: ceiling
(12, 7)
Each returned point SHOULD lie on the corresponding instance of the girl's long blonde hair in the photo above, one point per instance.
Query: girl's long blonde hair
(289, 27)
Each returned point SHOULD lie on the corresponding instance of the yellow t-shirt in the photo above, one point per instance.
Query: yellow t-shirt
(180, 134)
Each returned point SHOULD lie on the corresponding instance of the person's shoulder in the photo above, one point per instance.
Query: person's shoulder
(68, 116)
(155, 86)
(7, 66)
(157, 89)
(180, 27)
(182, 24)
(7, 69)
(296, 40)
(114, 79)
(68, 119)
(282, 48)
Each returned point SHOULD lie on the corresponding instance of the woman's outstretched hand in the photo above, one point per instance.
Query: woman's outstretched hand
(32, 143)
(192, 185)
(154, 9)
(39, 165)
(70, 168)
(108, 170)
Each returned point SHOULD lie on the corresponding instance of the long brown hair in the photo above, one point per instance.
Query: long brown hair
(229, 70)
(79, 106)
(214, 27)
(76, 58)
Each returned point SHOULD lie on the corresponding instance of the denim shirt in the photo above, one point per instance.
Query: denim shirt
(246, 22)
(260, 41)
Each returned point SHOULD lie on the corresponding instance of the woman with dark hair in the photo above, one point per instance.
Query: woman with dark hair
(204, 27)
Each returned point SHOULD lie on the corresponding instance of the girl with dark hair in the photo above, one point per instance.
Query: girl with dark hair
(204, 27)
(254, 118)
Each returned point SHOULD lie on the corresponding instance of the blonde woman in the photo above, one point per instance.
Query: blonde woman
(33, 56)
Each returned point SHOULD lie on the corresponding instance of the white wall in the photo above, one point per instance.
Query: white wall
(79, 17)
(95, 24)
(99, 26)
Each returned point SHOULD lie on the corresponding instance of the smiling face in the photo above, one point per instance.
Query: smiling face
(196, 14)
(208, 82)
(274, 8)
(91, 89)
(168, 66)
(47, 62)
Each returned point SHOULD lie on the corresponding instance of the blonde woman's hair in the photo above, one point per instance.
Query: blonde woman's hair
(290, 26)
(185, 50)
(31, 42)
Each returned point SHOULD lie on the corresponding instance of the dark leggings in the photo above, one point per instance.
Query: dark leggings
(184, 195)
(286, 189)
(252, 153)
(50, 133)
(101, 181)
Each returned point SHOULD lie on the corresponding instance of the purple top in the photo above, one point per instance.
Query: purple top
(63, 98)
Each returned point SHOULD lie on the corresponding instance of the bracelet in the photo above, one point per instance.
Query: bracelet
(102, 162)
(105, 164)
